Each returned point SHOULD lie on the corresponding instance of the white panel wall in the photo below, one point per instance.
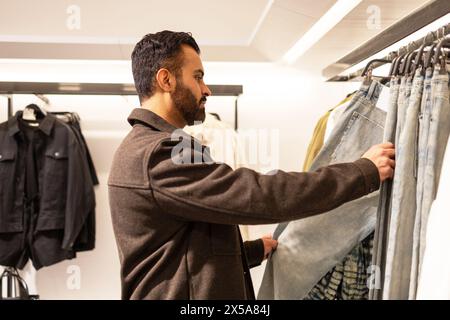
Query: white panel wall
(275, 98)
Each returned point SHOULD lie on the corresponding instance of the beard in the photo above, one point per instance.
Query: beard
(187, 104)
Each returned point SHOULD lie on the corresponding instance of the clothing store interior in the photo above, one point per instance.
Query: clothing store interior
(296, 85)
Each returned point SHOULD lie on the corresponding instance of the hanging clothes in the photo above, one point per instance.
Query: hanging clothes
(320, 131)
(422, 129)
(335, 114)
(46, 191)
(398, 258)
(348, 279)
(378, 251)
(434, 281)
(309, 248)
(419, 155)
(224, 145)
(439, 130)
(86, 238)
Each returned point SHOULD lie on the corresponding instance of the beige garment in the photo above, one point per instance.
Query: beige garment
(223, 142)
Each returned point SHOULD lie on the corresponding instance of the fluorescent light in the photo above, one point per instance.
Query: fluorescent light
(327, 22)
(260, 21)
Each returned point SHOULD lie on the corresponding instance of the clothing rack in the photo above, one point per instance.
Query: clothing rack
(418, 19)
(42, 88)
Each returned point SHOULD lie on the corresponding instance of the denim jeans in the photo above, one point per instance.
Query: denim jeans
(309, 248)
(401, 225)
(379, 252)
(434, 280)
(437, 140)
(402, 106)
(424, 125)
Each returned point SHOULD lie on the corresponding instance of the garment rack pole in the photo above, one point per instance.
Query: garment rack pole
(236, 113)
(42, 88)
(428, 40)
(10, 106)
(413, 22)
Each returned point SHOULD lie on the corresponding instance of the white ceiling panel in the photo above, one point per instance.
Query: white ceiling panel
(231, 30)
(212, 22)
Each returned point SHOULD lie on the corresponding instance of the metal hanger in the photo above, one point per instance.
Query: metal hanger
(37, 110)
(420, 54)
(367, 72)
(411, 57)
(402, 53)
(439, 55)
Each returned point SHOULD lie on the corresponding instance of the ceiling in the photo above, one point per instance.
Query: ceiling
(231, 30)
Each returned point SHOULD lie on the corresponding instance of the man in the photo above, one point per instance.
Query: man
(176, 221)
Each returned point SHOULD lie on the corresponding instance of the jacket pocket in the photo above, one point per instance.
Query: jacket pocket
(6, 164)
(361, 132)
(10, 221)
(225, 239)
(54, 186)
(56, 168)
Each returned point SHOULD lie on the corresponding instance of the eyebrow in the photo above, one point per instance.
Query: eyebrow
(200, 71)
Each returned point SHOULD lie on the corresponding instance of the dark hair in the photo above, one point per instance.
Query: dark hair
(156, 51)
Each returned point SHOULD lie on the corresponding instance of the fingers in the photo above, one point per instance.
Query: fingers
(269, 245)
(389, 152)
(388, 171)
(391, 163)
(387, 145)
(274, 244)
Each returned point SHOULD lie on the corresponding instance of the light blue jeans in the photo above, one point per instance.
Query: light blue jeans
(424, 125)
(401, 225)
(402, 105)
(379, 252)
(310, 247)
(439, 130)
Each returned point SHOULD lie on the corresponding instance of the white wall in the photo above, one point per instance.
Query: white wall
(275, 97)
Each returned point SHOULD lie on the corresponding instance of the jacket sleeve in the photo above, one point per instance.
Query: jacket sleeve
(80, 193)
(254, 251)
(214, 193)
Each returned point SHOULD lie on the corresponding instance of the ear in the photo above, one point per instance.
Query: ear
(166, 80)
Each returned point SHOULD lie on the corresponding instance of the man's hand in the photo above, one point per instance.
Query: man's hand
(269, 245)
(382, 155)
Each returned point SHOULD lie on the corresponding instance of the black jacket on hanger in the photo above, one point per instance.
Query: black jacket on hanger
(43, 224)
(86, 238)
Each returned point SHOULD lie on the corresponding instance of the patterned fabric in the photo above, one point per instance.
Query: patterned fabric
(348, 279)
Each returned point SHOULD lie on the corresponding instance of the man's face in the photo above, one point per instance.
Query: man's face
(190, 94)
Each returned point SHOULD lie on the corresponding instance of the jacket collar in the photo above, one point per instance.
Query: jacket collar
(151, 119)
(45, 125)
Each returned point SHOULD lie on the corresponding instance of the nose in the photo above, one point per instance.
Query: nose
(206, 91)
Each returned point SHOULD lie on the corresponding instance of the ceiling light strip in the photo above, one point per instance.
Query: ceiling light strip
(327, 22)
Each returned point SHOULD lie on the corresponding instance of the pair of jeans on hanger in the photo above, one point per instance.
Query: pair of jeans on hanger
(310, 247)
(379, 252)
(434, 280)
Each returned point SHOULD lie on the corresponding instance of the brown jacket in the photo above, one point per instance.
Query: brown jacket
(176, 223)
